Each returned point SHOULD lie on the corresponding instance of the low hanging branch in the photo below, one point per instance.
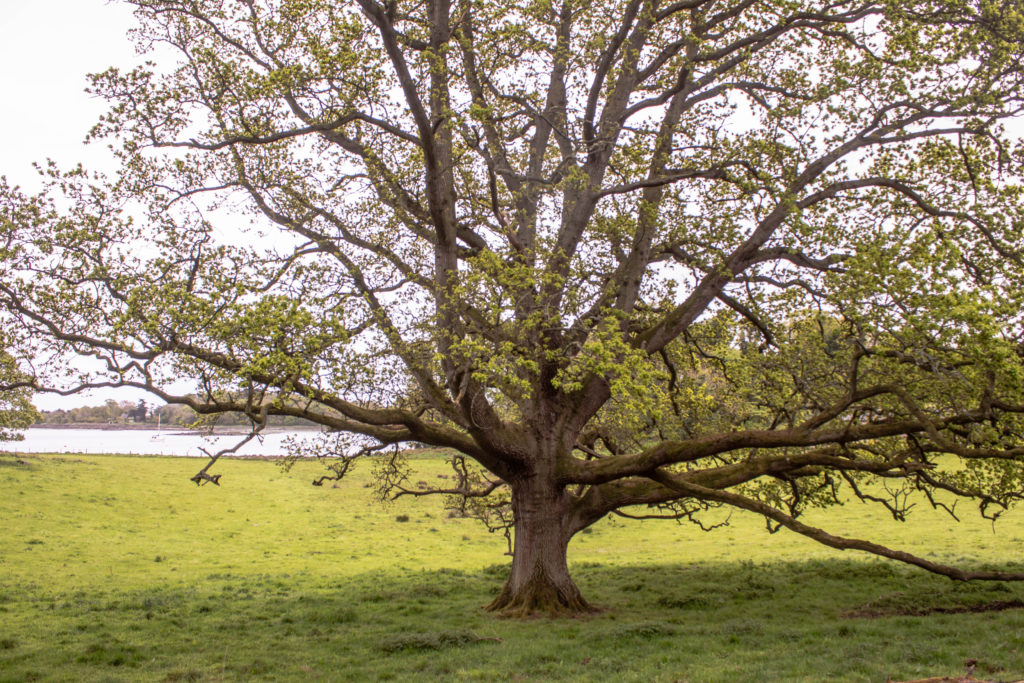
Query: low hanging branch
(203, 476)
(825, 538)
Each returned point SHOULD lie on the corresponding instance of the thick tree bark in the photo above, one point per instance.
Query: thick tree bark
(539, 583)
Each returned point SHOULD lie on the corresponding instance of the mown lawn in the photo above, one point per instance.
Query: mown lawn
(119, 568)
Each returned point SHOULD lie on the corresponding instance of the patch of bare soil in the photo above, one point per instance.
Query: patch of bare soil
(953, 679)
(969, 666)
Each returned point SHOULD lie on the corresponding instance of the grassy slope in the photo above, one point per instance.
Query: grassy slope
(115, 568)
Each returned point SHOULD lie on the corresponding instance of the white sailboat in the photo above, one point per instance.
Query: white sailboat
(158, 436)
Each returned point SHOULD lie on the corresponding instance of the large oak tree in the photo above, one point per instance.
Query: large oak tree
(641, 257)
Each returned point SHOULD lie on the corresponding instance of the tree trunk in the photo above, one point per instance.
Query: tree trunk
(540, 581)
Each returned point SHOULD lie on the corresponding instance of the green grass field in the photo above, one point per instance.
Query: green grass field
(119, 568)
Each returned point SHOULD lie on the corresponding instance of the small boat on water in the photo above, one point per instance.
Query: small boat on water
(159, 435)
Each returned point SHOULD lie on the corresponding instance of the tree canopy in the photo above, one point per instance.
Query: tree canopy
(644, 257)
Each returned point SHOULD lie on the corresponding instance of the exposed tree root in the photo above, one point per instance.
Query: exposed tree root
(540, 596)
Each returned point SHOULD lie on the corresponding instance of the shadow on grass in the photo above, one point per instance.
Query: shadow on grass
(15, 460)
(708, 622)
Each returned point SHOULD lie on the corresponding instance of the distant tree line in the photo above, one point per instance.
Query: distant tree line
(128, 412)
(109, 412)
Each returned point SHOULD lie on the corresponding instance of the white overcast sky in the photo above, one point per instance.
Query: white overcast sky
(47, 47)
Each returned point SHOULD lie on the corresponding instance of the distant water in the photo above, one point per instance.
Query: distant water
(172, 441)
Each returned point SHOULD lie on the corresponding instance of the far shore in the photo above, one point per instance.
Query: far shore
(131, 426)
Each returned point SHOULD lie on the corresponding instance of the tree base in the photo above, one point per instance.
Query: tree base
(540, 597)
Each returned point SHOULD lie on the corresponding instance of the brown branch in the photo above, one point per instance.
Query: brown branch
(825, 538)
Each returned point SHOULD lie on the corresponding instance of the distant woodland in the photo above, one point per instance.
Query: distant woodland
(128, 412)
